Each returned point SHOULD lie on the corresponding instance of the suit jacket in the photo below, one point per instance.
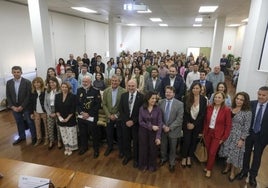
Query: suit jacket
(209, 88)
(74, 67)
(150, 87)
(179, 86)
(23, 93)
(107, 101)
(33, 101)
(47, 103)
(124, 107)
(223, 123)
(199, 121)
(175, 118)
(264, 123)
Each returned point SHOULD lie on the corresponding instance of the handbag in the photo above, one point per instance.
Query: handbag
(201, 151)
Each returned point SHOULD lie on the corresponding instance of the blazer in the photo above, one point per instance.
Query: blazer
(33, 99)
(124, 108)
(179, 86)
(209, 87)
(149, 85)
(23, 93)
(223, 123)
(175, 118)
(47, 103)
(264, 123)
(199, 121)
(107, 101)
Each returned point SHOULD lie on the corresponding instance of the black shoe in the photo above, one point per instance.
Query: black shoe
(171, 168)
(96, 154)
(19, 140)
(162, 162)
(108, 151)
(121, 155)
(252, 181)
(34, 140)
(241, 175)
(135, 164)
(126, 160)
(82, 151)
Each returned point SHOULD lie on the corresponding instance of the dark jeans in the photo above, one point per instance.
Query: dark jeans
(20, 117)
(84, 128)
(253, 140)
(111, 127)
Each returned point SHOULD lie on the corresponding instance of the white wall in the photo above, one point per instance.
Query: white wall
(239, 40)
(175, 39)
(131, 38)
(229, 39)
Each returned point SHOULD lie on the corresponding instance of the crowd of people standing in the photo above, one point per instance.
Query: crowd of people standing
(149, 100)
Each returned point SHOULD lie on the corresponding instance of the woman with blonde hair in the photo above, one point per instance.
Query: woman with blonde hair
(65, 107)
(38, 111)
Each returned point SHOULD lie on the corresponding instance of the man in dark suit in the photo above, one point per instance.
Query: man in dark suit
(258, 137)
(173, 118)
(206, 83)
(154, 82)
(74, 65)
(175, 81)
(110, 104)
(130, 103)
(98, 62)
(18, 92)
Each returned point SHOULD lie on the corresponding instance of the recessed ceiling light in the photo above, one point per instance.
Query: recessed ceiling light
(197, 25)
(245, 20)
(233, 25)
(132, 24)
(208, 8)
(163, 25)
(144, 11)
(84, 9)
(156, 19)
(198, 19)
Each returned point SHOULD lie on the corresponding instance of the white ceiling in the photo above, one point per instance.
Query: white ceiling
(178, 13)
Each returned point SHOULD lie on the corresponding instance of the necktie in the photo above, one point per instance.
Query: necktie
(257, 125)
(202, 82)
(130, 104)
(167, 111)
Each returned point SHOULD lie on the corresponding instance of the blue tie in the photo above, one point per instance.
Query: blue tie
(257, 125)
(167, 112)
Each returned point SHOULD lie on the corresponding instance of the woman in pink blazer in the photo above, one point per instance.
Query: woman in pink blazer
(217, 126)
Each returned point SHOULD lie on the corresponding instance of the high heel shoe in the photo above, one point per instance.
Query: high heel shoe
(50, 146)
(188, 163)
(225, 171)
(59, 145)
(208, 174)
(183, 163)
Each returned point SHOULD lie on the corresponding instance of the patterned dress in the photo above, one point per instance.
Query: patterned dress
(240, 126)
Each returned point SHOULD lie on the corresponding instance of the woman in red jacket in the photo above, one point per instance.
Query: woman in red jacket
(217, 126)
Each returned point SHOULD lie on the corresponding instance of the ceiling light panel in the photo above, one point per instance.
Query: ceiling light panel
(198, 19)
(163, 25)
(144, 12)
(156, 19)
(197, 25)
(204, 9)
(84, 9)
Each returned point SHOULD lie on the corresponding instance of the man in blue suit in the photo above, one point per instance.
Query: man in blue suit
(18, 92)
(258, 137)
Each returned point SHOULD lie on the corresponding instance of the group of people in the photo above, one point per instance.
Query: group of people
(148, 108)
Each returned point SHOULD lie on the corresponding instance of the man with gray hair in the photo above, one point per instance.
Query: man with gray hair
(110, 104)
(88, 105)
(216, 76)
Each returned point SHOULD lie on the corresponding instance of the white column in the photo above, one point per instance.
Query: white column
(250, 79)
(115, 36)
(40, 27)
(217, 41)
